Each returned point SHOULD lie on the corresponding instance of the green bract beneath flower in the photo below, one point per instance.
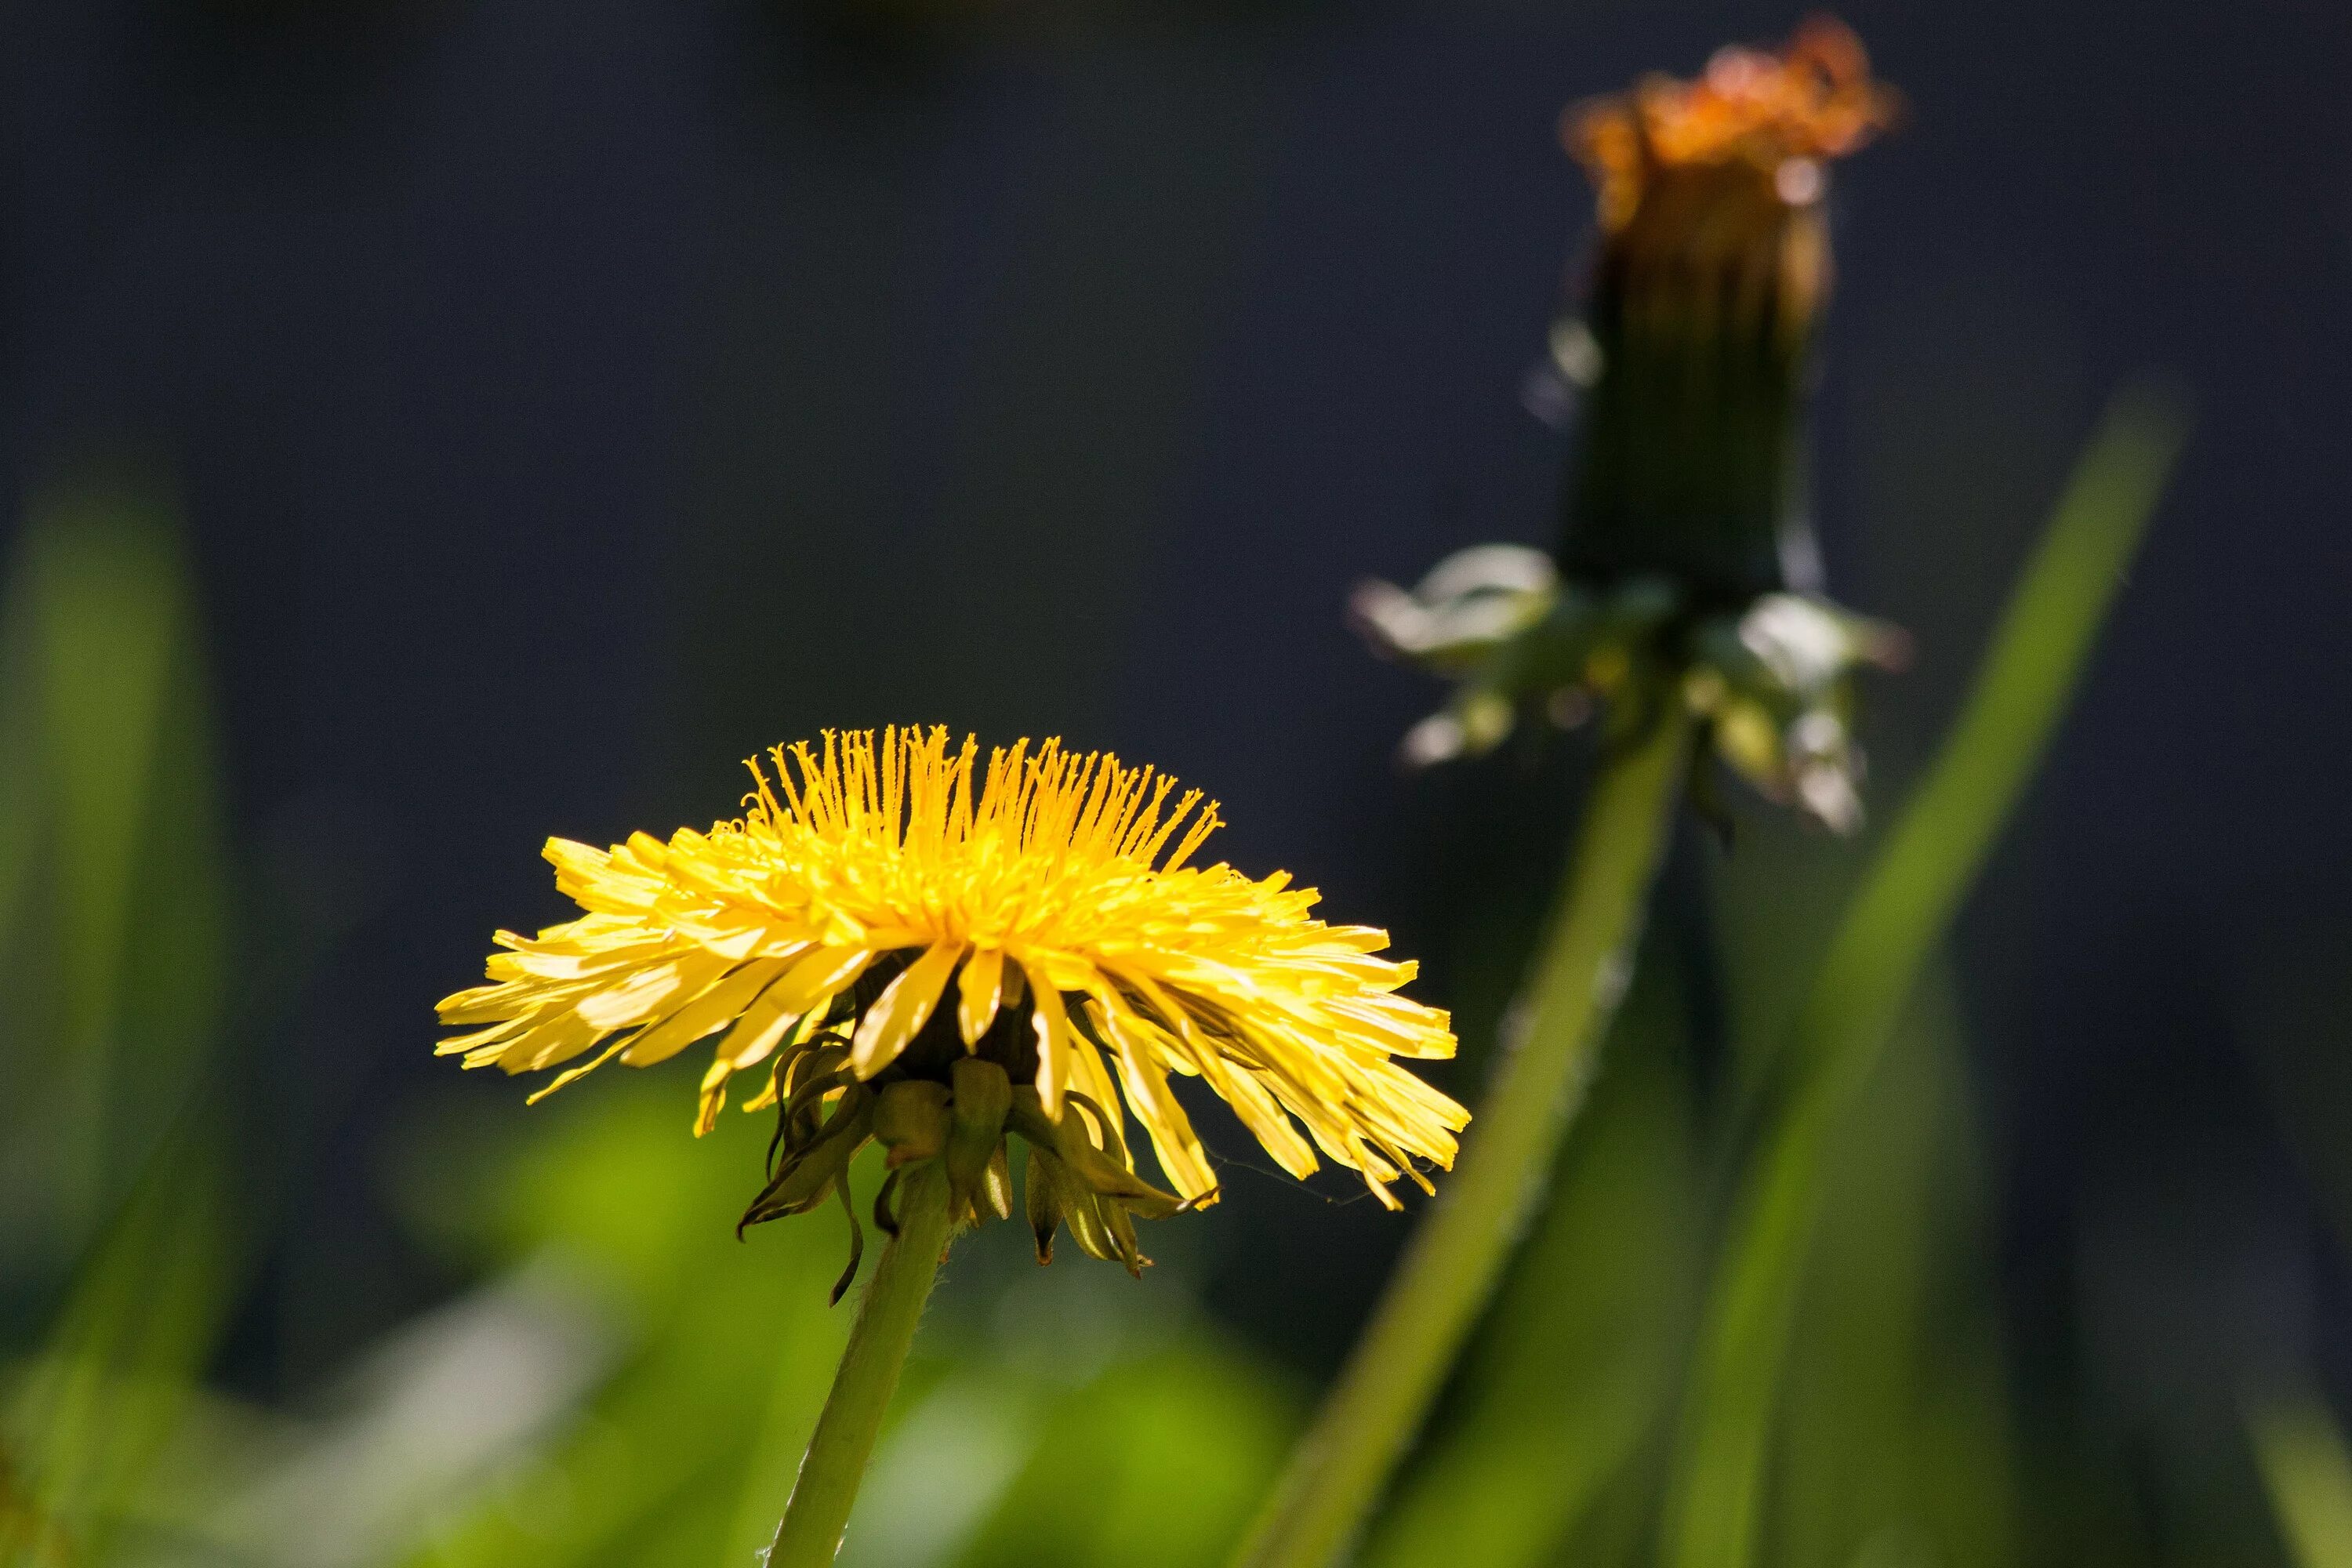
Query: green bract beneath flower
(1080, 1172)
(1771, 681)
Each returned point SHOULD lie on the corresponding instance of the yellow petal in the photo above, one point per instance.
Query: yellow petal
(480, 1004)
(483, 1037)
(982, 988)
(722, 1002)
(1173, 1139)
(1091, 1079)
(756, 1033)
(1237, 1087)
(1053, 1026)
(639, 995)
(903, 1007)
(568, 1074)
(558, 1039)
(820, 973)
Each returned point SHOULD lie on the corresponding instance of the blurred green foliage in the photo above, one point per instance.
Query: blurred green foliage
(117, 1243)
(2308, 1472)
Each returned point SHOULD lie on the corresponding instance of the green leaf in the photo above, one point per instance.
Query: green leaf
(1895, 1443)
(2307, 1470)
(113, 887)
(1888, 934)
(1154, 1463)
(681, 1450)
(104, 594)
(122, 1364)
(113, 909)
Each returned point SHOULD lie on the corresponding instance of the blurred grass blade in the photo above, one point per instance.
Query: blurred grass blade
(2307, 1470)
(122, 1361)
(112, 900)
(1906, 902)
(1154, 1462)
(105, 599)
(21, 814)
(97, 685)
(1894, 1445)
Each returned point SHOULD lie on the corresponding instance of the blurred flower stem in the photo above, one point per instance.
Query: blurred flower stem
(1450, 1267)
(887, 1315)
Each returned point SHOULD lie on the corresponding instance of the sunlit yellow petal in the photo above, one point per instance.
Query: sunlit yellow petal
(904, 1006)
(982, 988)
(820, 974)
(712, 1009)
(1052, 1027)
(763, 1024)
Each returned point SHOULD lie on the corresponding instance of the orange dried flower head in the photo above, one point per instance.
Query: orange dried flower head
(1781, 114)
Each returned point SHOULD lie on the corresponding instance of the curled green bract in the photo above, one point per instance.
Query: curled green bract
(1769, 682)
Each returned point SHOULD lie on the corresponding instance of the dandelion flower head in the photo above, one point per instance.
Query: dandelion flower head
(889, 912)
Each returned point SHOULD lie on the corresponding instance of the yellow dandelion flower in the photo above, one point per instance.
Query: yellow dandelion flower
(889, 921)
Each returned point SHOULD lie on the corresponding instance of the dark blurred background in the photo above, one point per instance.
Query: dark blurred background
(560, 401)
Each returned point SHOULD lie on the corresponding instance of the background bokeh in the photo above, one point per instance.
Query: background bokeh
(434, 424)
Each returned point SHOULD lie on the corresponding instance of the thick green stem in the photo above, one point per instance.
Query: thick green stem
(1450, 1267)
(887, 1315)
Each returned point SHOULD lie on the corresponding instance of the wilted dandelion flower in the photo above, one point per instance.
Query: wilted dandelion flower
(908, 944)
(1685, 568)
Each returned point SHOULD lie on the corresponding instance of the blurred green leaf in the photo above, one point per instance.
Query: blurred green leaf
(1906, 902)
(87, 1419)
(1894, 1442)
(113, 908)
(698, 1408)
(113, 881)
(103, 587)
(2307, 1470)
(685, 1449)
(1155, 1463)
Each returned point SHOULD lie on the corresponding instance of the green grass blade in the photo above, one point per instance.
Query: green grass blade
(100, 716)
(1893, 1446)
(124, 1356)
(1887, 935)
(2307, 1470)
(113, 903)
(107, 604)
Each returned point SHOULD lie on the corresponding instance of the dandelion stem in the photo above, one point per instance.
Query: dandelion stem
(887, 1314)
(1450, 1267)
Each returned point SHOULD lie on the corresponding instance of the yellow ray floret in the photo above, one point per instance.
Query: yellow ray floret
(1038, 910)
